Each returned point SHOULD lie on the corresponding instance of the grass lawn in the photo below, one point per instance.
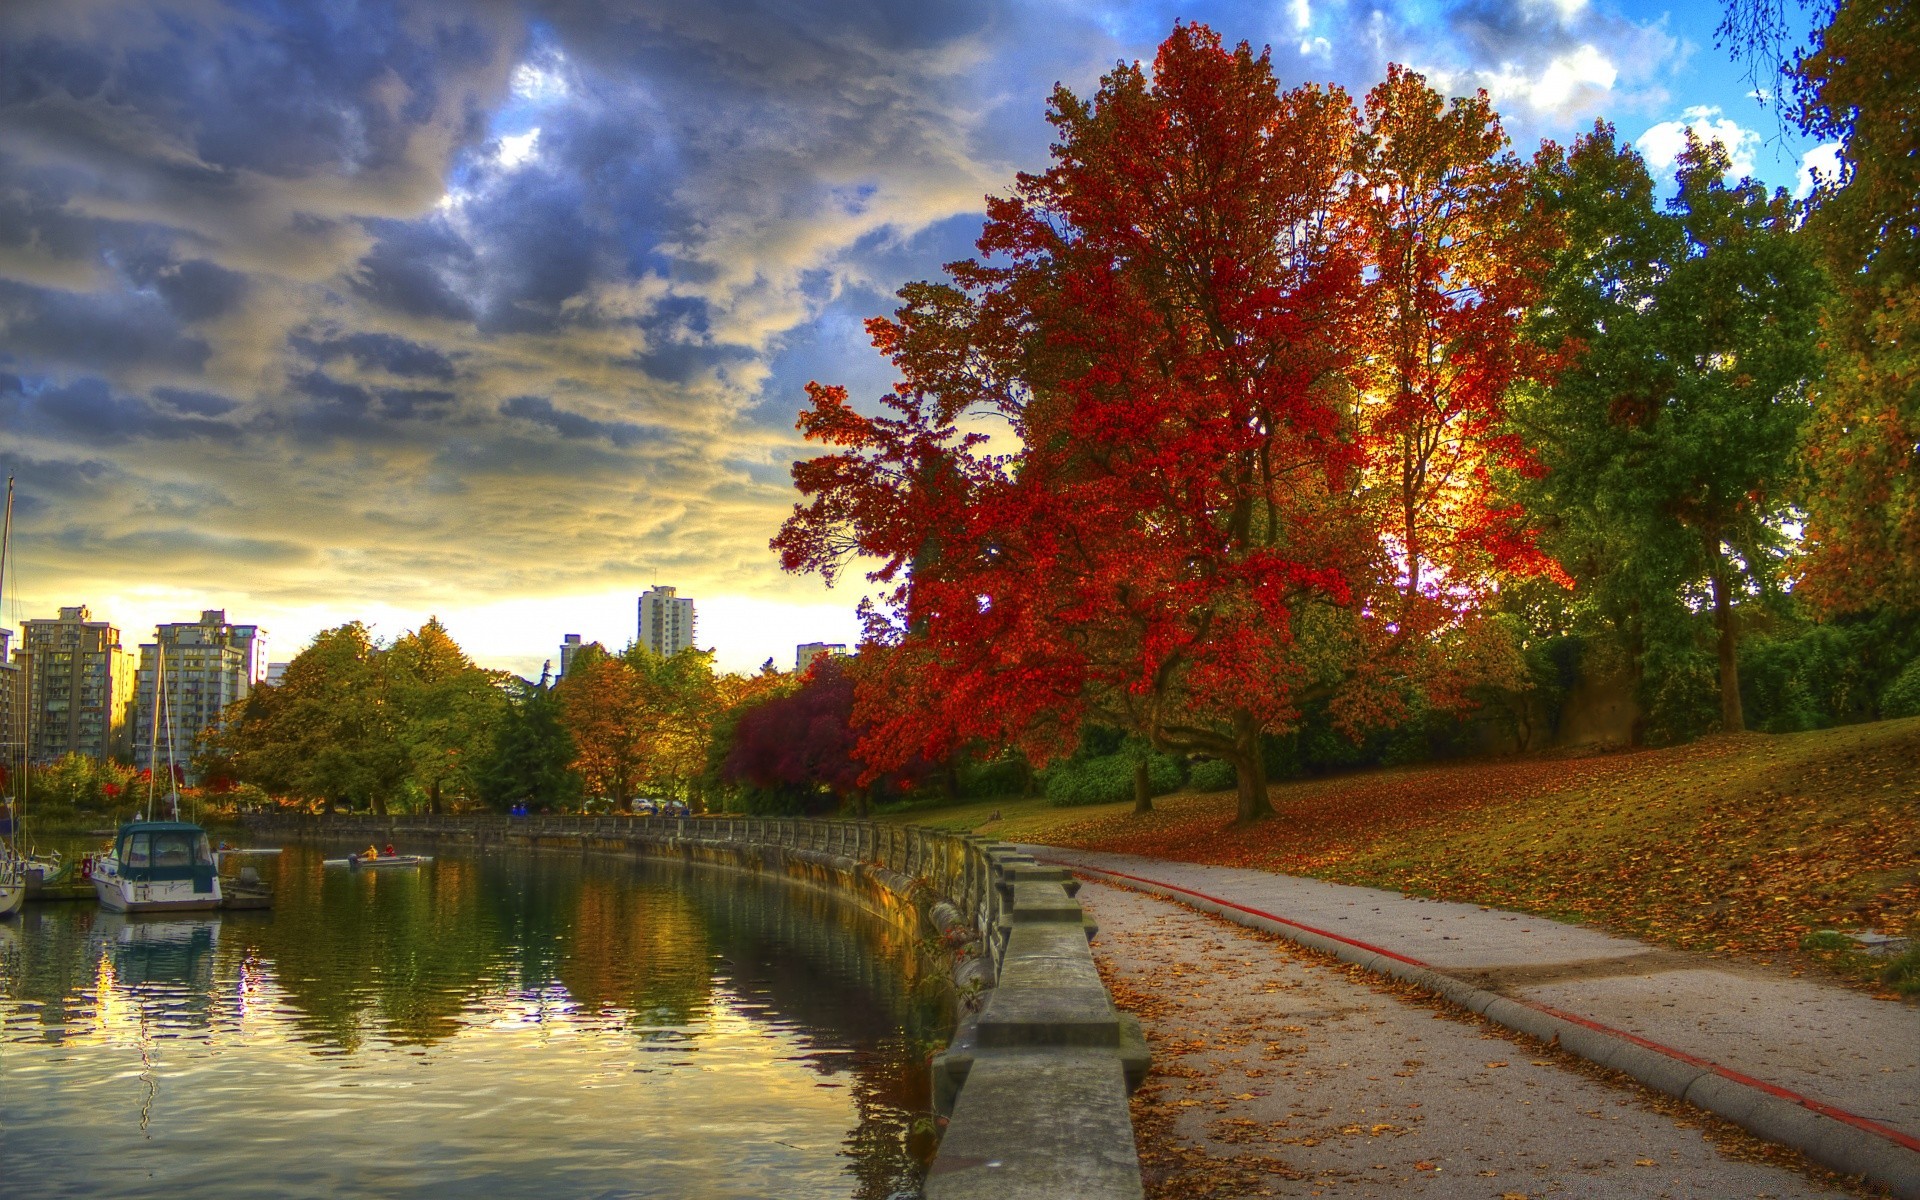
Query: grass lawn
(1746, 844)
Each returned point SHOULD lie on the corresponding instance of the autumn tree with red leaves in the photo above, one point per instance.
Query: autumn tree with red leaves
(1251, 353)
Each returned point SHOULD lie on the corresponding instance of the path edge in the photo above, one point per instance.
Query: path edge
(1834, 1138)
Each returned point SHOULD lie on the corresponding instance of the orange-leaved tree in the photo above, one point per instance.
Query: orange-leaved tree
(1204, 518)
(603, 701)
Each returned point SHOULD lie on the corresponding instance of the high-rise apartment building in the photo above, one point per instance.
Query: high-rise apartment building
(806, 652)
(666, 621)
(13, 729)
(209, 665)
(79, 687)
(570, 646)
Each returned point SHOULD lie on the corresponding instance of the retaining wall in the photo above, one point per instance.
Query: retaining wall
(1034, 1084)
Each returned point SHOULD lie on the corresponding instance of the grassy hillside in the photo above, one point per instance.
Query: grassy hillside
(1747, 844)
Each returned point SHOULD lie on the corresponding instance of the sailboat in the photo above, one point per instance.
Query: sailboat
(13, 864)
(158, 866)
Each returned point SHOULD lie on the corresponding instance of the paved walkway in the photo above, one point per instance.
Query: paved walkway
(1830, 1045)
(1278, 1074)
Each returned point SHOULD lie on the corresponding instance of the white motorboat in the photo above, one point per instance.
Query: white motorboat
(157, 866)
(13, 881)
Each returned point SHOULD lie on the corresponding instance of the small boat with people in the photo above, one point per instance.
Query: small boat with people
(375, 859)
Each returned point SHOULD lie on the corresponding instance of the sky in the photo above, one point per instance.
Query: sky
(502, 312)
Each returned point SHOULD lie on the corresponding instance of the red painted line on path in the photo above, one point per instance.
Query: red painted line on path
(1864, 1124)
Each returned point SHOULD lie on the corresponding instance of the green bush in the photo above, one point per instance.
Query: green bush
(1904, 973)
(1680, 694)
(1002, 777)
(1211, 775)
(1902, 697)
(1108, 780)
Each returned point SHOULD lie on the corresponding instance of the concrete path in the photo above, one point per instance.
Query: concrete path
(1830, 1050)
(1278, 1073)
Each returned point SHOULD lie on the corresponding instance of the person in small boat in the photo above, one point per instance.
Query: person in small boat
(370, 852)
(389, 850)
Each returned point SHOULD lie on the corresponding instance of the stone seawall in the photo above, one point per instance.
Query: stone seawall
(1033, 1086)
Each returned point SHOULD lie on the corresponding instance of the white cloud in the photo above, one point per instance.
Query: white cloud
(1302, 11)
(1824, 161)
(1662, 144)
(519, 148)
(1566, 9)
(538, 84)
(1570, 83)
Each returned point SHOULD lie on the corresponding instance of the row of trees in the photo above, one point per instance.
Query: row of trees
(415, 724)
(1340, 413)
(1333, 424)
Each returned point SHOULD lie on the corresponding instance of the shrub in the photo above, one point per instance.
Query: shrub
(1903, 973)
(1108, 780)
(1902, 697)
(1680, 694)
(1002, 777)
(1211, 775)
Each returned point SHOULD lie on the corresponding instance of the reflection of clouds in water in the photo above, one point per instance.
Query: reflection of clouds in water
(504, 995)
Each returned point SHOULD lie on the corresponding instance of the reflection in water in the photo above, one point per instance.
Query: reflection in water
(479, 1027)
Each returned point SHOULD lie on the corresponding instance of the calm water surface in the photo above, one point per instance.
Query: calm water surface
(497, 1027)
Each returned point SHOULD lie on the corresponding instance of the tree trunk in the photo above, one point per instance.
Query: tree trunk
(378, 804)
(433, 799)
(1732, 718)
(1250, 771)
(1142, 787)
(950, 783)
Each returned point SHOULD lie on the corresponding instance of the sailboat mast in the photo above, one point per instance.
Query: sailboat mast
(17, 800)
(173, 783)
(153, 737)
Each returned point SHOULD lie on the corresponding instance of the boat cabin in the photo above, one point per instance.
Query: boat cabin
(160, 851)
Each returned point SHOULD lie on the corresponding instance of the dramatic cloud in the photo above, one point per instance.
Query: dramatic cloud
(1663, 143)
(319, 311)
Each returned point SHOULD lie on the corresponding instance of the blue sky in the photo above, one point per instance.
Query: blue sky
(503, 311)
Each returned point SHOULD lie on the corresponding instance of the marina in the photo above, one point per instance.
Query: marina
(642, 1030)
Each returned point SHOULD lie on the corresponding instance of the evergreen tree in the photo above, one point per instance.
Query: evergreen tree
(532, 755)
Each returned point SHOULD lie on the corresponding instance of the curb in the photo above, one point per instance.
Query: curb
(1833, 1137)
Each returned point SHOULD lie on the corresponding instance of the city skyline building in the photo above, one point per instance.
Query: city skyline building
(666, 621)
(806, 652)
(12, 701)
(79, 685)
(569, 647)
(209, 664)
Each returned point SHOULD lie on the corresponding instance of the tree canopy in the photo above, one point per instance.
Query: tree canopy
(1254, 411)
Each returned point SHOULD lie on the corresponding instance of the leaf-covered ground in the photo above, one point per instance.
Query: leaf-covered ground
(1742, 844)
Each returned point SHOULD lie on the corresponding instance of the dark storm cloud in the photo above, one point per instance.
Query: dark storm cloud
(430, 285)
(70, 329)
(381, 352)
(411, 404)
(203, 404)
(541, 411)
(88, 410)
(416, 269)
(198, 290)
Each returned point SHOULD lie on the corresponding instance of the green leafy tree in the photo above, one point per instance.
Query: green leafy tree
(1686, 339)
(326, 733)
(446, 710)
(682, 698)
(532, 754)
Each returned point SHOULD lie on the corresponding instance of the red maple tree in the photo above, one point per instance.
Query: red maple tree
(1214, 382)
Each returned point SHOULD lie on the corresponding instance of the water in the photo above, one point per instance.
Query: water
(536, 1026)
